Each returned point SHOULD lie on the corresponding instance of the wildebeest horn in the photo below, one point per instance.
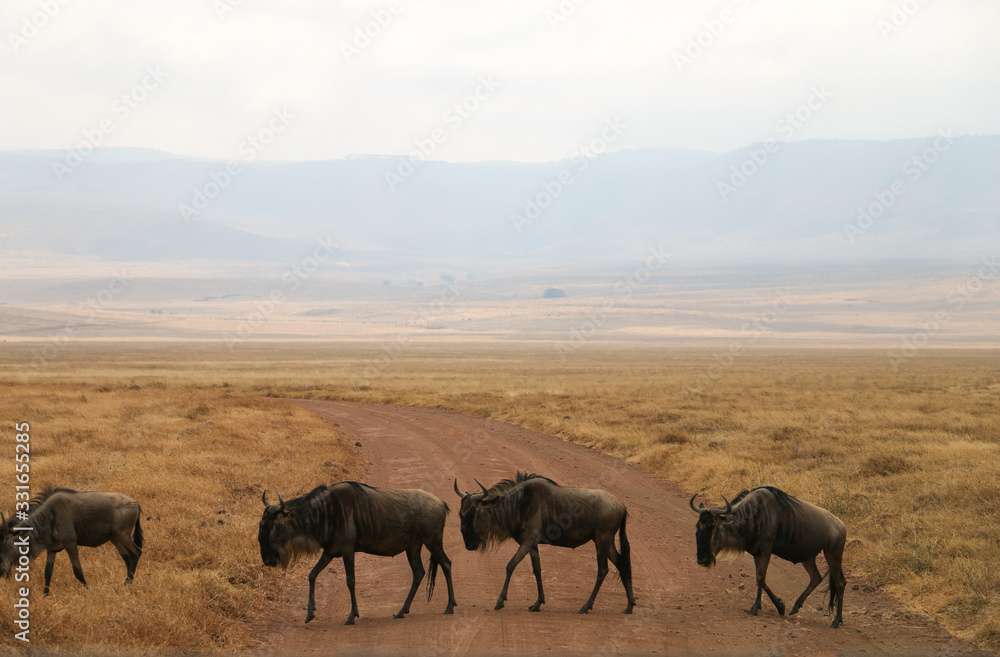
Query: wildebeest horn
(729, 507)
(485, 492)
(281, 501)
(460, 493)
(263, 498)
(692, 504)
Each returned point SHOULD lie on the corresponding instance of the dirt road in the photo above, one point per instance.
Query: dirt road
(682, 608)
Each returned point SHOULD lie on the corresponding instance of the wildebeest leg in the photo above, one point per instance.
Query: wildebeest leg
(74, 558)
(522, 551)
(349, 572)
(437, 552)
(761, 560)
(626, 580)
(775, 600)
(324, 560)
(838, 583)
(125, 549)
(417, 566)
(602, 572)
(536, 568)
(50, 560)
(814, 579)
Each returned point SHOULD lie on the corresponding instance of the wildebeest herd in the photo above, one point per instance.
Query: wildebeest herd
(345, 518)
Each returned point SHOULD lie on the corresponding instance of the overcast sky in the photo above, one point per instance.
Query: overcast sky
(871, 69)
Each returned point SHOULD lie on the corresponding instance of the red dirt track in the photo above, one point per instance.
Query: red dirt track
(682, 608)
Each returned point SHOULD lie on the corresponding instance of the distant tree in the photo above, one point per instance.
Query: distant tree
(553, 293)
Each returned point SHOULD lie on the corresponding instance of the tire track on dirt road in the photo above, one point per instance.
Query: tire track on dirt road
(682, 608)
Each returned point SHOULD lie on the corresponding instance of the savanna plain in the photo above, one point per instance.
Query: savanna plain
(908, 457)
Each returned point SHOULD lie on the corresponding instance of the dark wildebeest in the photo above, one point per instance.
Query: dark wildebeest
(63, 519)
(766, 521)
(534, 510)
(345, 518)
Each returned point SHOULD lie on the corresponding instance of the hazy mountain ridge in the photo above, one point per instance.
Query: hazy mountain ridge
(793, 205)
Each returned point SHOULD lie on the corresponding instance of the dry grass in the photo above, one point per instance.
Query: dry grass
(196, 461)
(909, 460)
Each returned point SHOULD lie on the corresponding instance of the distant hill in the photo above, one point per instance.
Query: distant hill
(797, 202)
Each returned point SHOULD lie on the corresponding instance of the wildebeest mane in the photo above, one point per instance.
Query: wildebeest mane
(360, 487)
(505, 485)
(784, 499)
(47, 491)
(729, 543)
(506, 513)
(740, 496)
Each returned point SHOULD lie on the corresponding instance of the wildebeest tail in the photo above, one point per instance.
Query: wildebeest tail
(625, 562)
(829, 589)
(431, 576)
(137, 533)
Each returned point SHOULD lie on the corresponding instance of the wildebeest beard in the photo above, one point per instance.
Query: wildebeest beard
(492, 523)
(303, 525)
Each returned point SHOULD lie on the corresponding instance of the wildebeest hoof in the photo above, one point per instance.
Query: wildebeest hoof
(401, 614)
(795, 610)
(627, 610)
(535, 607)
(310, 615)
(752, 611)
(835, 624)
(781, 609)
(499, 605)
(584, 610)
(349, 621)
(449, 610)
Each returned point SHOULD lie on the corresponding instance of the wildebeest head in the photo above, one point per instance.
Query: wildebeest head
(282, 538)
(468, 512)
(709, 520)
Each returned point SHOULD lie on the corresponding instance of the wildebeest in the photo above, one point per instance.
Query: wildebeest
(349, 517)
(766, 521)
(534, 510)
(64, 519)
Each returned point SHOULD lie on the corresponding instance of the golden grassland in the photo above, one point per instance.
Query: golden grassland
(908, 459)
(196, 460)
